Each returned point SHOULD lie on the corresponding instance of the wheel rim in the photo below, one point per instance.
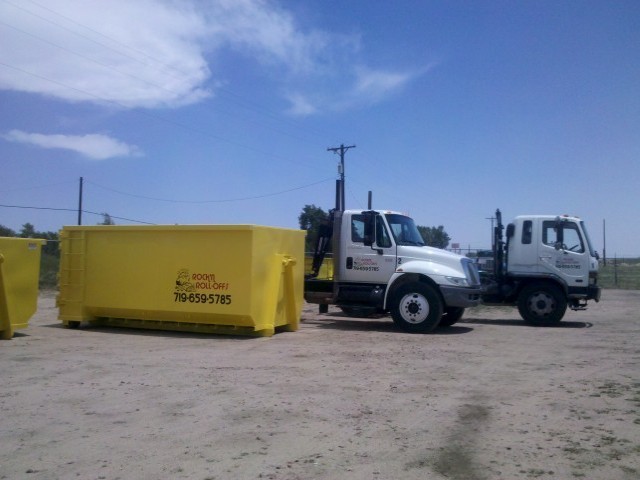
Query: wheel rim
(541, 304)
(414, 308)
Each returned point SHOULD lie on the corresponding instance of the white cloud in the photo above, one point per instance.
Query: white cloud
(94, 146)
(365, 87)
(267, 32)
(376, 83)
(300, 105)
(143, 53)
(161, 53)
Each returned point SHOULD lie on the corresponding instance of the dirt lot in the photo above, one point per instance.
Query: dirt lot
(489, 398)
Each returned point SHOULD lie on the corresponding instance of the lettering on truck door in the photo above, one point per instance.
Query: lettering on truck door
(568, 259)
(363, 263)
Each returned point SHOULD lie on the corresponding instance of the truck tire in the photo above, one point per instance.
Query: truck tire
(416, 308)
(542, 304)
(450, 316)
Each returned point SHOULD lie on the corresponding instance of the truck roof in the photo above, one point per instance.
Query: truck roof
(360, 210)
(547, 217)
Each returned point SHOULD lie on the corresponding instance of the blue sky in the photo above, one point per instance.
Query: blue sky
(221, 111)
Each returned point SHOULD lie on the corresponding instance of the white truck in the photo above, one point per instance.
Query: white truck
(546, 264)
(381, 265)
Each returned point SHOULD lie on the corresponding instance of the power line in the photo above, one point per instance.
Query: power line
(85, 57)
(147, 114)
(225, 200)
(75, 210)
(165, 66)
(228, 200)
(120, 218)
(40, 208)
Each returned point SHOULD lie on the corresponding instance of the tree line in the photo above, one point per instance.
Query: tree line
(28, 230)
(309, 219)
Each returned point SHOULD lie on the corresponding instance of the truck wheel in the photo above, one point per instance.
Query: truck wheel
(542, 304)
(450, 316)
(416, 308)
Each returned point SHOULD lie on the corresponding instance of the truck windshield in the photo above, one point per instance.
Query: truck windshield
(404, 230)
(586, 234)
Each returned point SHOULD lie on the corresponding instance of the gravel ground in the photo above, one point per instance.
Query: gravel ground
(489, 398)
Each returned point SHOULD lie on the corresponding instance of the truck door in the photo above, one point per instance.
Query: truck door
(367, 264)
(563, 252)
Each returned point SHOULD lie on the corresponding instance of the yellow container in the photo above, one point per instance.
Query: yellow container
(238, 279)
(326, 269)
(19, 275)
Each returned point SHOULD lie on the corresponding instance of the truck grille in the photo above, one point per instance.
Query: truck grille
(471, 271)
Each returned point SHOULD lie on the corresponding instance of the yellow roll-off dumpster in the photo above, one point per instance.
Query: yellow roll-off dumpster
(19, 275)
(238, 279)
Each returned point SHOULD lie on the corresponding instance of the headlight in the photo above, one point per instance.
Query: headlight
(461, 282)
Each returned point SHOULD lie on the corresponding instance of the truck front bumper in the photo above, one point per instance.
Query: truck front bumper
(461, 296)
(592, 292)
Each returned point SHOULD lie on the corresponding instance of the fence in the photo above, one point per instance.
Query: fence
(620, 273)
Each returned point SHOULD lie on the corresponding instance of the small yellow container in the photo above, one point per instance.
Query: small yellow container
(19, 275)
(238, 279)
(326, 269)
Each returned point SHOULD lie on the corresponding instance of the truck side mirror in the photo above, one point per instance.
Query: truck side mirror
(369, 228)
(511, 230)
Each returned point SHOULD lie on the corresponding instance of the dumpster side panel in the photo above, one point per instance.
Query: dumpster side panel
(71, 275)
(278, 261)
(19, 275)
(196, 275)
(180, 272)
(161, 274)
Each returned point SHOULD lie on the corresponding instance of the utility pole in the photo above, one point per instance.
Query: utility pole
(340, 202)
(493, 234)
(604, 242)
(80, 203)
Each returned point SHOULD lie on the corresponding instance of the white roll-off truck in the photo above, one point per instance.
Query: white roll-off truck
(381, 265)
(546, 264)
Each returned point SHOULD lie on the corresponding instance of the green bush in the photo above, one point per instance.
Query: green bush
(49, 270)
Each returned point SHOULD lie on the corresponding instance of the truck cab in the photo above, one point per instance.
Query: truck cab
(546, 264)
(381, 264)
(558, 247)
